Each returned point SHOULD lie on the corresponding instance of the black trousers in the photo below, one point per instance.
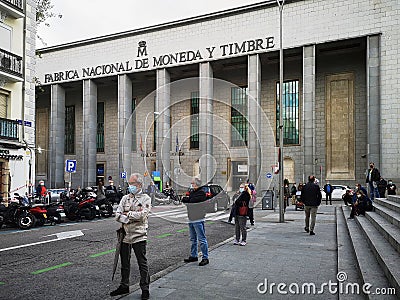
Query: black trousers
(328, 196)
(250, 213)
(140, 253)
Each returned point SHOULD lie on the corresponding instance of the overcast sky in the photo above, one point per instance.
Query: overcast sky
(82, 19)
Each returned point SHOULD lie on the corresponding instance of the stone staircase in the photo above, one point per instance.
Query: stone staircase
(375, 243)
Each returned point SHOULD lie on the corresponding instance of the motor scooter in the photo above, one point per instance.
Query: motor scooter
(16, 213)
(103, 207)
(172, 195)
(161, 198)
(81, 206)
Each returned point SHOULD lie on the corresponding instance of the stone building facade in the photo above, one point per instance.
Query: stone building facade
(200, 96)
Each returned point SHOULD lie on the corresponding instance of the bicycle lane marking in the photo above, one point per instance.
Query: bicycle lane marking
(51, 268)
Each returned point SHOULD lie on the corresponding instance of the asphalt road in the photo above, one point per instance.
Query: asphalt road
(42, 263)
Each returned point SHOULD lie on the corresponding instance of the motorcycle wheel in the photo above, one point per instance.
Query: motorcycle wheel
(26, 222)
(176, 201)
(91, 214)
(57, 218)
(168, 200)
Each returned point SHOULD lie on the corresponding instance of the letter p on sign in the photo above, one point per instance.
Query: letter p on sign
(70, 166)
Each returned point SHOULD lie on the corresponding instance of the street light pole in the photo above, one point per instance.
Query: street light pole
(281, 190)
(156, 113)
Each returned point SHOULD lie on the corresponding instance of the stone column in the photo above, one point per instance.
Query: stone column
(163, 102)
(206, 95)
(373, 98)
(89, 133)
(308, 144)
(124, 126)
(57, 137)
(254, 116)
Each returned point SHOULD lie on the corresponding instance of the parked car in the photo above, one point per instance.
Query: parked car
(338, 191)
(55, 194)
(216, 197)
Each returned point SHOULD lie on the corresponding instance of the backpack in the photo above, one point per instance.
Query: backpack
(243, 209)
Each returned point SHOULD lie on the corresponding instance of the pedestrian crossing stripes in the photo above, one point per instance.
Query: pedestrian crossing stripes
(181, 214)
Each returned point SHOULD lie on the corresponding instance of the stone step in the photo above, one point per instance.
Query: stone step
(347, 260)
(389, 231)
(367, 264)
(387, 257)
(389, 204)
(390, 215)
(394, 198)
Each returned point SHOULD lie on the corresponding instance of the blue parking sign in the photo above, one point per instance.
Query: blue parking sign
(123, 175)
(70, 166)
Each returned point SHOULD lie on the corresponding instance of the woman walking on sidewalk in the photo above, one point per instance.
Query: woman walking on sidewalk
(242, 207)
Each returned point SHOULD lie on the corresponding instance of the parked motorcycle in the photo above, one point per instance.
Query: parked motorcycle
(103, 207)
(111, 196)
(161, 198)
(40, 213)
(16, 213)
(55, 212)
(80, 206)
(172, 195)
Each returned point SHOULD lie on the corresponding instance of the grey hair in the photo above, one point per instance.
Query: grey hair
(139, 177)
(197, 181)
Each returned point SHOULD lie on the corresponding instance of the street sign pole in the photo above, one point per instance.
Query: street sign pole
(69, 183)
(281, 190)
(70, 167)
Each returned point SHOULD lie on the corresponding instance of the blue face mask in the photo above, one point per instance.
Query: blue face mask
(132, 189)
(241, 190)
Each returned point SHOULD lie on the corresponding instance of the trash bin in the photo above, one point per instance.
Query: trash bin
(268, 200)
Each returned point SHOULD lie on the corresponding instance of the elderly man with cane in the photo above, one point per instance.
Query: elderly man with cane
(132, 213)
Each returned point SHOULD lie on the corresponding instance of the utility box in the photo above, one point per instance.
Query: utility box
(268, 200)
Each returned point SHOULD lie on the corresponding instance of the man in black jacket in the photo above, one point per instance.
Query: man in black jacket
(196, 213)
(311, 197)
(373, 177)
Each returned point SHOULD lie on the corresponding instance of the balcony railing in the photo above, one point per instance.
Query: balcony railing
(8, 129)
(17, 4)
(10, 63)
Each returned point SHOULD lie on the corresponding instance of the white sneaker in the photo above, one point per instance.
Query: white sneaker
(236, 242)
(242, 243)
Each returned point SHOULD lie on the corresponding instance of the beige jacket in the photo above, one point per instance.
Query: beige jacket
(132, 212)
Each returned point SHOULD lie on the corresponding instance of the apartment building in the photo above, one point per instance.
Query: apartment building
(17, 96)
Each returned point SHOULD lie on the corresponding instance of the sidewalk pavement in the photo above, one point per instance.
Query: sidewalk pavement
(275, 253)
